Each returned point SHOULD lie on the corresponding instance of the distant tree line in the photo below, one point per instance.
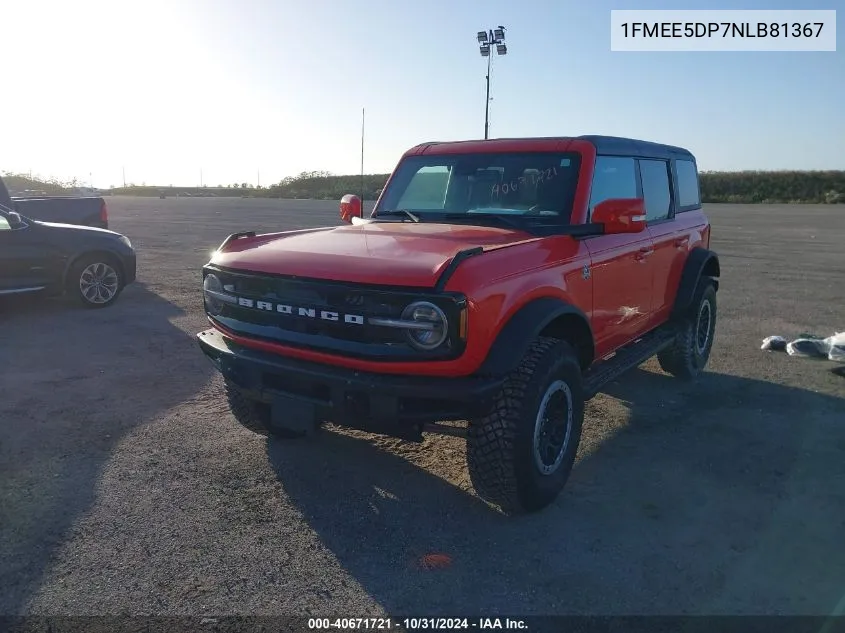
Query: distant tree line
(746, 187)
(774, 186)
(18, 184)
(314, 185)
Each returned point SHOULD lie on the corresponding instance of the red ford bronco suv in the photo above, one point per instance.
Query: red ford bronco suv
(500, 282)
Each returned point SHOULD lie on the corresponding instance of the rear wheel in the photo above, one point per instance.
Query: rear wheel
(690, 351)
(95, 280)
(254, 415)
(521, 453)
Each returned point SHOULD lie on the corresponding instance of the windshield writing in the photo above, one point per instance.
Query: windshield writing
(517, 184)
(530, 180)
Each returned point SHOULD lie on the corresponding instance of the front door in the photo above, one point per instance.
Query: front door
(622, 268)
(25, 263)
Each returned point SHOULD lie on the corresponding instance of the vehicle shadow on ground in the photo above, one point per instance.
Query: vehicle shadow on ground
(98, 374)
(705, 502)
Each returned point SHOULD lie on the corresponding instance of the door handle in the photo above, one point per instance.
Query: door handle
(681, 241)
(643, 253)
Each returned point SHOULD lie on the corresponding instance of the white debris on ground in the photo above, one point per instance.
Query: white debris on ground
(809, 346)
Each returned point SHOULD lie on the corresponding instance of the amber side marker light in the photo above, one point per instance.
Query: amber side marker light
(462, 325)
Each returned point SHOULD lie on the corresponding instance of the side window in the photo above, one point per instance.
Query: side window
(688, 190)
(427, 189)
(655, 179)
(614, 177)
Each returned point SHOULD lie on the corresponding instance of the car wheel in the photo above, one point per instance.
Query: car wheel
(690, 351)
(95, 281)
(254, 415)
(521, 453)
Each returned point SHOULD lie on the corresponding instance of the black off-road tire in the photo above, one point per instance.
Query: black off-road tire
(253, 415)
(500, 446)
(689, 353)
(81, 266)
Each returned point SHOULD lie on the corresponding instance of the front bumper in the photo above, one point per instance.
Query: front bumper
(379, 403)
(130, 267)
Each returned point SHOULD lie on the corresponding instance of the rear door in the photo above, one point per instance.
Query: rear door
(621, 264)
(656, 183)
(676, 235)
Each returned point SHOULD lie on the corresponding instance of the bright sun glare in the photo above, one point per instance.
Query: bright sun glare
(146, 91)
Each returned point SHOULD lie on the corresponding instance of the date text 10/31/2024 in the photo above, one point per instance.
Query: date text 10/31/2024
(416, 624)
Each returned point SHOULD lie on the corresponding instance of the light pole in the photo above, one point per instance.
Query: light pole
(486, 41)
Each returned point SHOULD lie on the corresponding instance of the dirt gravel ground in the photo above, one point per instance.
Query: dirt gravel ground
(127, 487)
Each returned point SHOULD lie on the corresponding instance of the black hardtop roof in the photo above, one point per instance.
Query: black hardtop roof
(617, 145)
(605, 145)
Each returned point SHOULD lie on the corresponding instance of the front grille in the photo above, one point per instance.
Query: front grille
(300, 312)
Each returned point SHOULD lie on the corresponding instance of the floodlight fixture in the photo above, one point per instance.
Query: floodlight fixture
(486, 40)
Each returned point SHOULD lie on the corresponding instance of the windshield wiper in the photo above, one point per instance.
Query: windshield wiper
(398, 212)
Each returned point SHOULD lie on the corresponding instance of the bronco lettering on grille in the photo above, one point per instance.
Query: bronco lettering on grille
(311, 313)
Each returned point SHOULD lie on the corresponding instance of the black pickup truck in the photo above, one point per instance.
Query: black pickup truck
(87, 211)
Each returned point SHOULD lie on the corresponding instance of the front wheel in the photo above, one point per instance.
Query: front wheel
(95, 281)
(690, 351)
(521, 453)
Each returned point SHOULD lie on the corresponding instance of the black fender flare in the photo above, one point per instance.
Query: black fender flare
(701, 262)
(538, 317)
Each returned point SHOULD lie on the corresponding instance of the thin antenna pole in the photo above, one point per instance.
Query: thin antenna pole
(124, 176)
(363, 114)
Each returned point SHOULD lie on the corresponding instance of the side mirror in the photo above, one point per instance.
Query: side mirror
(16, 221)
(620, 215)
(350, 207)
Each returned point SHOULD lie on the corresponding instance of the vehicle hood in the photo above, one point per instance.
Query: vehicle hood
(390, 253)
(90, 230)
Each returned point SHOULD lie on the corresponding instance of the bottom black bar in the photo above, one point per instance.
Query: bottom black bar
(533, 624)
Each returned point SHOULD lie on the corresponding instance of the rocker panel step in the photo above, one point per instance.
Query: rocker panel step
(627, 358)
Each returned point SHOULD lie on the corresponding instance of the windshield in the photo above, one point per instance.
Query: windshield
(472, 186)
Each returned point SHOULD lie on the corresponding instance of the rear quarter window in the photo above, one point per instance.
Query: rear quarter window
(689, 195)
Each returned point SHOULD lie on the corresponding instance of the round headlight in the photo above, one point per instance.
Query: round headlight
(211, 285)
(433, 326)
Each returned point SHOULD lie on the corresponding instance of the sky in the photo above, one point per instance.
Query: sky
(223, 91)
